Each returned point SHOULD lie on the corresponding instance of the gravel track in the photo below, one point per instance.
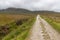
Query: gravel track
(41, 30)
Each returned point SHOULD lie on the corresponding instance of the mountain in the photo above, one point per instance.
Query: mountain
(20, 10)
(14, 9)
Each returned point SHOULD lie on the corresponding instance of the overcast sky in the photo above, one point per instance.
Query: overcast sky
(53, 5)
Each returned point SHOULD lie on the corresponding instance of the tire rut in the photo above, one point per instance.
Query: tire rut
(46, 35)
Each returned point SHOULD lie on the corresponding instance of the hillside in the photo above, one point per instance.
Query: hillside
(25, 11)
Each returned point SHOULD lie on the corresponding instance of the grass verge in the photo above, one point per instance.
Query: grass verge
(54, 24)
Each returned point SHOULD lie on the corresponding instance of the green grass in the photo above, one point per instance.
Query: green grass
(8, 23)
(54, 24)
(21, 32)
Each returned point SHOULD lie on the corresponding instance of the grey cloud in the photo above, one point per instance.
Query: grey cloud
(53, 5)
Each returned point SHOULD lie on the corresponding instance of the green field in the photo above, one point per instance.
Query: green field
(15, 26)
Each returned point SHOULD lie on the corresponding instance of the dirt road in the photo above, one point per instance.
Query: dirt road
(41, 30)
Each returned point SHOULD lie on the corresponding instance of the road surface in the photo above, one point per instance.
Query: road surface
(41, 30)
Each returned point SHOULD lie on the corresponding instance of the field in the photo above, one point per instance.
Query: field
(53, 19)
(15, 26)
(4, 19)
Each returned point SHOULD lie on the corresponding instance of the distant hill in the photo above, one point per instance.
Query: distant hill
(14, 9)
(20, 10)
